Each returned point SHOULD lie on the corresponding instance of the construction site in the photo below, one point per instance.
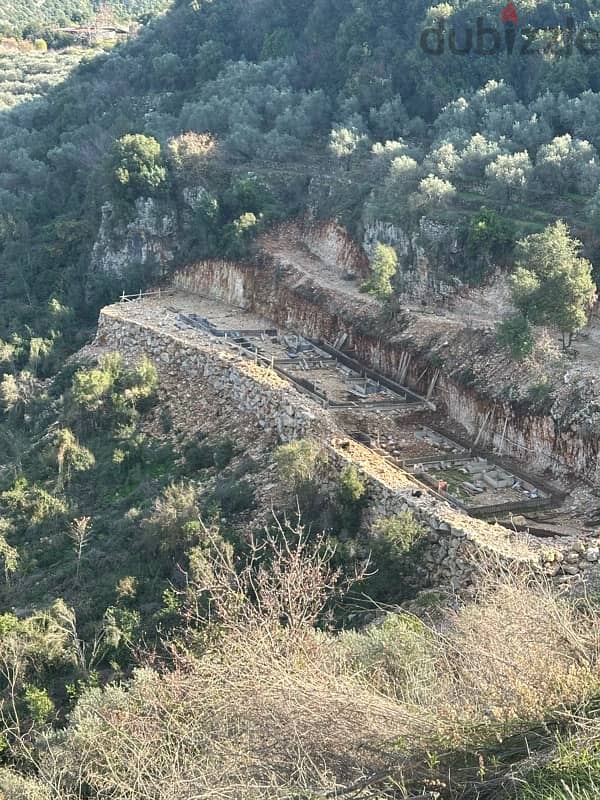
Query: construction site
(404, 429)
(318, 369)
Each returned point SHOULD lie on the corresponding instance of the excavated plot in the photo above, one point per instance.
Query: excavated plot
(155, 327)
(317, 373)
(324, 374)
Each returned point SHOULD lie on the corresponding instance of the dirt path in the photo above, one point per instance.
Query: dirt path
(318, 272)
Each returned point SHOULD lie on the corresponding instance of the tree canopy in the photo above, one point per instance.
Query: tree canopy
(552, 283)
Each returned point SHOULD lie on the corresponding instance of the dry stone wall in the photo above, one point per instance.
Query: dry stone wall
(456, 548)
(237, 384)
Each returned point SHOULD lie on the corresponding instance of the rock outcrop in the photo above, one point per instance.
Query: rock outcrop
(147, 240)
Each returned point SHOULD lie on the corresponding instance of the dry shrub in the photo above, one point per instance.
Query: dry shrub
(518, 651)
(515, 654)
(261, 714)
(242, 726)
(189, 154)
(273, 709)
(16, 787)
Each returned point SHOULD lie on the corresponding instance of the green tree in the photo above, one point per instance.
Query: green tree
(137, 166)
(344, 142)
(509, 176)
(552, 283)
(489, 234)
(278, 44)
(514, 332)
(239, 235)
(433, 191)
(383, 267)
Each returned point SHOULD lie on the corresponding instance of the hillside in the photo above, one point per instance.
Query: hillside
(19, 18)
(319, 515)
(526, 150)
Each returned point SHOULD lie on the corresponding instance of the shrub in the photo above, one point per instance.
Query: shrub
(19, 788)
(522, 650)
(234, 496)
(396, 656)
(223, 453)
(351, 499)
(541, 393)
(198, 456)
(166, 420)
(514, 332)
(189, 154)
(298, 462)
(383, 267)
(111, 394)
(35, 505)
(39, 704)
(127, 588)
(395, 538)
(173, 521)
(490, 233)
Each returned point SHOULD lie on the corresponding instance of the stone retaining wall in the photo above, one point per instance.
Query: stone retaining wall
(237, 383)
(457, 548)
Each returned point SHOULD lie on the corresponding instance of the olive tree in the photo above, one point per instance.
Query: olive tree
(509, 175)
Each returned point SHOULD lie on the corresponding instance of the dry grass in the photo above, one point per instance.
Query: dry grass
(277, 710)
(519, 650)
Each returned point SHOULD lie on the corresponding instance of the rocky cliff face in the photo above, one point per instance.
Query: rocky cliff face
(331, 243)
(425, 256)
(147, 240)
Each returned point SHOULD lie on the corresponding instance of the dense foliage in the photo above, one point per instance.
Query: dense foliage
(332, 89)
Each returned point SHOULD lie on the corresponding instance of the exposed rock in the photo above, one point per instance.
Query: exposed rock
(593, 554)
(148, 239)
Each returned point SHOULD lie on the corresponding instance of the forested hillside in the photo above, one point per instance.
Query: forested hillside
(438, 136)
(125, 541)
